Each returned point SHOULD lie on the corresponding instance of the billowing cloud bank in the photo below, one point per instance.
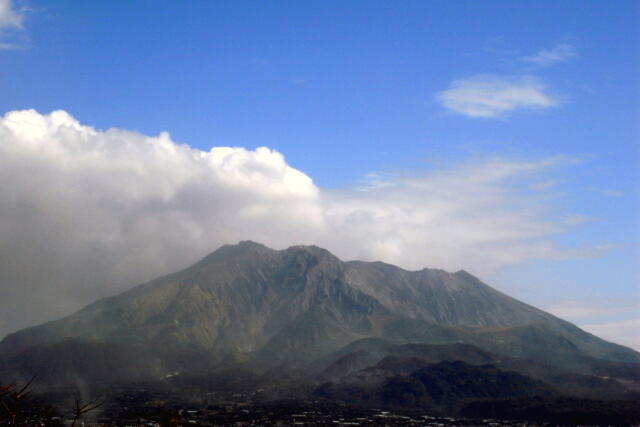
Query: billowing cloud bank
(85, 213)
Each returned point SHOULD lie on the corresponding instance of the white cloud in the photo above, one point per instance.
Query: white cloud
(9, 16)
(85, 213)
(488, 96)
(624, 332)
(10, 19)
(546, 57)
(467, 217)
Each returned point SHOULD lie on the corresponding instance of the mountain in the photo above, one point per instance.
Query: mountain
(372, 361)
(371, 351)
(299, 308)
(443, 383)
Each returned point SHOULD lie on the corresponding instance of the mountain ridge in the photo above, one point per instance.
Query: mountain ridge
(253, 303)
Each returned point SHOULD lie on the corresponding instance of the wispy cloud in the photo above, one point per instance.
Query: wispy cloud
(591, 308)
(545, 185)
(546, 57)
(623, 332)
(595, 315)
(97, 210)
(9, 46)
(490, 96)
(607, 192)
(11, 19)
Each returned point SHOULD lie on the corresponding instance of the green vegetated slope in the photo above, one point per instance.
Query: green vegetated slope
(303, 307)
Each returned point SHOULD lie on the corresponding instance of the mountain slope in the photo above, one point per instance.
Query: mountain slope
(250, 302)
(438, 384)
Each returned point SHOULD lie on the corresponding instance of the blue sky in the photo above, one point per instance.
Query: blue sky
(352, 93)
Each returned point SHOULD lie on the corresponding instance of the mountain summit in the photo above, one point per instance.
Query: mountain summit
(250, 303)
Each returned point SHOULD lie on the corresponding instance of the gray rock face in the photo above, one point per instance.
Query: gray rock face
(250, 302)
